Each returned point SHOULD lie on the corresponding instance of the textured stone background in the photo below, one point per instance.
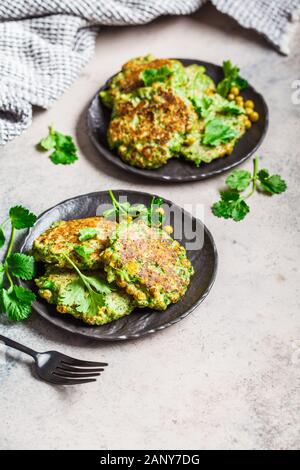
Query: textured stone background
(227, 376)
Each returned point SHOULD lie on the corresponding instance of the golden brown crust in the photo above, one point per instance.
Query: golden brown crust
(156, 268)
(62, 237)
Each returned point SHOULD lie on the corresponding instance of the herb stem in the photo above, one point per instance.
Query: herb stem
(254, 178)
(82, 277)
(9, 250)
(9, 277)
(11, 242)
(115, 202)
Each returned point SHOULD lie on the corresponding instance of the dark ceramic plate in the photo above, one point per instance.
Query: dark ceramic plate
(141, 321)
(179, 170)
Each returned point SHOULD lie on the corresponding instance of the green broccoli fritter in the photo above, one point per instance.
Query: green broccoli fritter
(151, 266)
(65, 290)
(80, 239)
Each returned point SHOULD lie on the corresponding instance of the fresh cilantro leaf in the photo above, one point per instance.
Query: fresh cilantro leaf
(217, 132)
(84, 251)
(149, 76)
(65, 151)
(88, 294)
(16, 302)
(87, 233)
(109, 213)
(239, 180)
(202, 105)
(21, 217)
(99, 284)
(231, 206)
(221, 209)
(75, 295)
(90, 302)
(61, 157)
(239, 210)
(24, 294)
(229, 196)
(155, 212)
(241, 83)
(22, 266)
(2, 238)
(231, 108)
(231, 78)
(95, 301)
(273, 184)
(2, 274)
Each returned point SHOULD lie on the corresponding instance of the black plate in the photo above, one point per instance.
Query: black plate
(141, 321)
(179, 170)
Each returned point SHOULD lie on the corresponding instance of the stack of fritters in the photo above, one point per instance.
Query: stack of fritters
(156, 114)
(131, 264)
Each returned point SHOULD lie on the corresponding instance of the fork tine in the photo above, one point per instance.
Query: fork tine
(60, 381)
(79, 369)
(70, 361)
(63, 373)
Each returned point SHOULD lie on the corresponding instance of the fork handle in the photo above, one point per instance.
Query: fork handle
(13, 344)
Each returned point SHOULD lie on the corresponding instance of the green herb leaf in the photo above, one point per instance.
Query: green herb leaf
(273, 184)
(221, 209)
(87, 233)
(202, 105)
(75, 295)
(16, 302)
(84, 251)
(22, 266)
(155, 217)
(239, 180)
(231, 206)
(98, 284)
(2, 238)
(21, 217)
(65, 151)
(61, 157)
(232, 108)
(239, 210)
(217, 132)
(150, 76)
(231, 78)
(87, 302)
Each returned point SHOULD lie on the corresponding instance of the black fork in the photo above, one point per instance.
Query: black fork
(58, 368)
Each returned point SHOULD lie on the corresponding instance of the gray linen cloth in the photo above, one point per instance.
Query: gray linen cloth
(44, 44)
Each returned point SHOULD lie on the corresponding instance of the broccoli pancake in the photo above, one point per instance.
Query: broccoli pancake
(54, 285)
(148, 130)
(151, 266)
(63, 238)
(131, 76)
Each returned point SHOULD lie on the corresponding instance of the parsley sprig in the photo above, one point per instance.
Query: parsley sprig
(64, 149)
(232, 204)
(15, 300)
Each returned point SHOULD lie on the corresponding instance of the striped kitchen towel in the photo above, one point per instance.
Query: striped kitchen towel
(44, 44)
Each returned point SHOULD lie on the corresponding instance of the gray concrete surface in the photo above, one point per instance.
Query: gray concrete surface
(225, 377)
